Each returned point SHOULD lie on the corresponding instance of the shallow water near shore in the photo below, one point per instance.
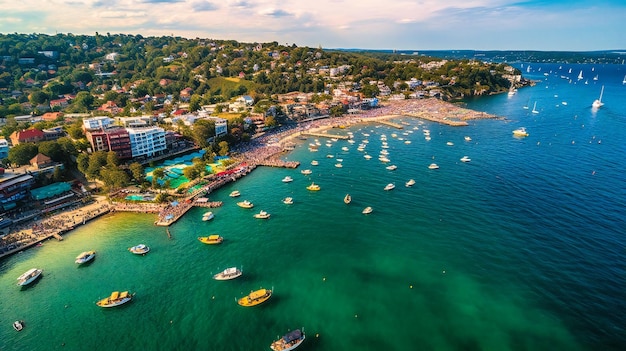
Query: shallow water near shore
(519, 249)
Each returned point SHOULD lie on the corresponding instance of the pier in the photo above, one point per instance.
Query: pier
(444, 120)
(326, 135)
(391, 124)
(274, 162)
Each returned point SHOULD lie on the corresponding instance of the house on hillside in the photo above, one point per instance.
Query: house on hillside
(41, 161)
(26, 136)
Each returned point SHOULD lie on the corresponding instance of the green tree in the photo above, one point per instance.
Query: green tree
(223, 148)
(21, 154)
(82, 163)
(97, 161)
(157, 174)
(112, 160)
(51, 149)
(136, 169)
(203, 130)
(83, 101)
(194, 102)
(58, 175)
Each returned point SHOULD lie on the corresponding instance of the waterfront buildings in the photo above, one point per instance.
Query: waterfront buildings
(148, 141)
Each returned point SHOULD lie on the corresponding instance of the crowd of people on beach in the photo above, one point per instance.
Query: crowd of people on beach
(263, 150)
(23, 236)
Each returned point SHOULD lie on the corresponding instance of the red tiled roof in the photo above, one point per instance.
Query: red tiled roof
(29, 134)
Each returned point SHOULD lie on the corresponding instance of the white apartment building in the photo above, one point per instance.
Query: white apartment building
(146, 141)
(97, 122)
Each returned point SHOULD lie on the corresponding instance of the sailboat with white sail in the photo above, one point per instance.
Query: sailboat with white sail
(624, 80)
(535, 108)
(580, 75)
(598, 102)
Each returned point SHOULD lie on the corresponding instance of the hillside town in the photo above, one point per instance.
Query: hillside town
(85, 115)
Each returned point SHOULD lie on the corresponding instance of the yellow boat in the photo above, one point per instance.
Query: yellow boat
(255, 298)
(115, 299)
(211, 239)
(245, 204)
(313, 187)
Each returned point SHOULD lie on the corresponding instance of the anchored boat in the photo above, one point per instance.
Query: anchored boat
(116, 299)
(255, 298)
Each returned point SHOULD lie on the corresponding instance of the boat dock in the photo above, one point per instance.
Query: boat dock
(391, 124)
(326, 135)
(208, 204)
(444, 120)
(275, 162)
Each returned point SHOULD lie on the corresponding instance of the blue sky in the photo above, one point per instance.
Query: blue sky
(577, 25)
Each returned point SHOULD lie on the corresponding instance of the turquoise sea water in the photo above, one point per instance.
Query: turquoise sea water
(520, 249)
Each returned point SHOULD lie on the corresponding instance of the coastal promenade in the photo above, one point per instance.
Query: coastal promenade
(53, 227)
(262, 151)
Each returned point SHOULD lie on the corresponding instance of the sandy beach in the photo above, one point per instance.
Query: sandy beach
(264, 150)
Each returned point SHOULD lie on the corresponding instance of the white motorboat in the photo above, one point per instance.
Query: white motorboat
(207, 216)
(289, 341)
(306, 171)
(433, 166)
(18, 325)
(411, 182)
(392, 167)
(367, 210)
(288, 201)
(389, 186)
(465, 159)
(140, 249)
(467, 138)
(314, 163)
(367, 157)
(287, 179)
(262, 215)
(235, 193)
(338, 165)
(85, 257)
(29, 276)
(228, 274)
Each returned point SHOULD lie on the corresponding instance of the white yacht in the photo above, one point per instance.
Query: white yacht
(85, 257)
(228, 274)
(29, 276)
(262, 215)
